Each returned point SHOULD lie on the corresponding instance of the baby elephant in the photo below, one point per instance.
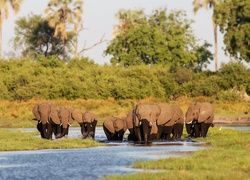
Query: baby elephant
(114, 128)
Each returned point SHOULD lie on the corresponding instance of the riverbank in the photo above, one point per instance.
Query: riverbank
(240, 121)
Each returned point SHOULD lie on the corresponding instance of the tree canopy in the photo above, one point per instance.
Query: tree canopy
(159, 38)
(33, 36)
(233, 18)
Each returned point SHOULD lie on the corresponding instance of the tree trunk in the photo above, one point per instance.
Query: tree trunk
(1, 41)
(215, 46)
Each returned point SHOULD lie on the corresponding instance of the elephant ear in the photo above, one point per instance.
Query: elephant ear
(136, 115)
(54, 115)
(77, 115)
(125, 127)
(205, 112)
(71, 120)
(36, 113)
(109, 124)
(178, 115)
(129, 120)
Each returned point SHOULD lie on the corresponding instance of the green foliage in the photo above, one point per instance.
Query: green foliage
(155, 39)
(234, 75)
(34, 36)
(50, 78)
(233, 19)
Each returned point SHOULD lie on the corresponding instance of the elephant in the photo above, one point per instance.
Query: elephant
(114, 128)
(170, 121)
(87, 122)
(199, 117)
(42, 111)
(144, 121)
(66, 120)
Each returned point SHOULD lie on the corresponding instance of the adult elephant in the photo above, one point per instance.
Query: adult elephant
(54, 123)
(87, 122)
(144, 121)
(41, 111)
(66, 120)
(199, 117)
(170, 121)
(114, 128)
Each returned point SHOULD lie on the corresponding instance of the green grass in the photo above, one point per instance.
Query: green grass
(227, 157)
(18, 140)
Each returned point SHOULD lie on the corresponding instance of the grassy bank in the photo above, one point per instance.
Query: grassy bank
(18, 140)
(18, 114)
(226, 158)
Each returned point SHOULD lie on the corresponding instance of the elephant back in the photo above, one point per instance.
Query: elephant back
(88, 117)
(166, 116)
(77, 115)
(54, 115)
(35, 112)
(109, 123)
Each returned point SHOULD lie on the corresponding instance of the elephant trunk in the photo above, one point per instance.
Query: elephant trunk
(145, 130)
(64, 132)
(44, 131)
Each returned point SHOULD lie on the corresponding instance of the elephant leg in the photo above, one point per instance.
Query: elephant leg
(107, 133)
(197, 130)
(131, 136)
(167, 130)
(120, 135)
(177, 131)
(204, 129)
(137, 133)
(159, 133)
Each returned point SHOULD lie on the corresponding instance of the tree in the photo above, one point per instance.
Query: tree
(209, 4)
(155, 39)
(233, 18)
(33, 35)
(4, 13)
(62, 15)
(204, 56)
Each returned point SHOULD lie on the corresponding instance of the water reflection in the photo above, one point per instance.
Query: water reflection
(86, 163)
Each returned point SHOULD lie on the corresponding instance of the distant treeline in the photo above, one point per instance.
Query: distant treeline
(24, 79)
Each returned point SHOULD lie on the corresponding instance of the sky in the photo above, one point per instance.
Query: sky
(99, 19)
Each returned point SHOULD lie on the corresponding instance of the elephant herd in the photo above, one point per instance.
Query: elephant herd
(146, 122)
(52, 119)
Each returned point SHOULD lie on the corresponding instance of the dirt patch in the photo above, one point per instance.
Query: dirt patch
(244, 120)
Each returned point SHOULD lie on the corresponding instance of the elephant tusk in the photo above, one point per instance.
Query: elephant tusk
(61, 124)
(139, 123)
(150, 124)
(189, 122)
(69, 124)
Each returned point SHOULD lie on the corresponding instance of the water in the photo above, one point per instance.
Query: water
(87, 163)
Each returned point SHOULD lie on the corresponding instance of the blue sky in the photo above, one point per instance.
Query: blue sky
(99, 18)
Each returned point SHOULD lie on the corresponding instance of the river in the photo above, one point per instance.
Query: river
(87, 163)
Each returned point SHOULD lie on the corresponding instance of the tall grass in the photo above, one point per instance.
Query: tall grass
(226, 158)
(18, 114)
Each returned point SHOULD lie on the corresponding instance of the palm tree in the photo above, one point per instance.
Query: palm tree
(4, 14)
(62, 15)
(197, 4)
